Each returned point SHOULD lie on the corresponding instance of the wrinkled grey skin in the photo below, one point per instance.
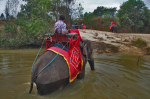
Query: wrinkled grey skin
(56, 75)
(114, 29)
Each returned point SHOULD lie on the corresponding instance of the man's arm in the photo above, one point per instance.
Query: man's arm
(64, 32)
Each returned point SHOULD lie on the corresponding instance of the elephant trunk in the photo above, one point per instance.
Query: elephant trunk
(91, 62)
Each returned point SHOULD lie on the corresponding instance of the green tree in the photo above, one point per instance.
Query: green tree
(88, 18)
(104, 11)
(134, 14)
(112, 11)
(34, 20)
(45, 10)
(70, 8)
(2, 16)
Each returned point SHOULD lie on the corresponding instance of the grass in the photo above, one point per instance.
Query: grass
(148, 49)
(139, 43)
(102, 47)
(114, 49)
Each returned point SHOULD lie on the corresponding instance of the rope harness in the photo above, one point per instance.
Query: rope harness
(37, 55)
(50, 62)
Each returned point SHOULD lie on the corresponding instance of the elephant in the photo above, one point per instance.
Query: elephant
(56, 75)
(114, 29)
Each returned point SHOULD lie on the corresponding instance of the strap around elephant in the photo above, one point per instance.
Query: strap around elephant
(50, 62)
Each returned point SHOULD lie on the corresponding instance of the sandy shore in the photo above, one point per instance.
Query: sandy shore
(121, 40)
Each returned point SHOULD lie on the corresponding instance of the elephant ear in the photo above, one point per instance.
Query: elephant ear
(89, 49)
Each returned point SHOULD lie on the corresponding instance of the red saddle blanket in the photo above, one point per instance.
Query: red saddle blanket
(73, 57)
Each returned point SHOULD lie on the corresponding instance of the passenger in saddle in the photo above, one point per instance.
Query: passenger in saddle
(83, 26)
(112, 23)
(60, 26)
(74, 29)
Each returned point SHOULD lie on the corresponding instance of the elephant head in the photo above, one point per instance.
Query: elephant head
(56, 75)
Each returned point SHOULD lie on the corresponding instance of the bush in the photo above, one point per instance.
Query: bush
(114, 49)
(139, 43)
(10, 29)
(148, 49)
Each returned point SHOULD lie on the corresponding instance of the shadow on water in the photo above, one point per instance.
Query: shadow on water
(116, 76)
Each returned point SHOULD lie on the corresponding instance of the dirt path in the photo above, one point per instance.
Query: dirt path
(121, 40)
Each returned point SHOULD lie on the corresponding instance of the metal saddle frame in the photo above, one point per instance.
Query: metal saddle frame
(54, 38)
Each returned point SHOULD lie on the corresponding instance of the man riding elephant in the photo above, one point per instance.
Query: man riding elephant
(113, 27)
(60, 26)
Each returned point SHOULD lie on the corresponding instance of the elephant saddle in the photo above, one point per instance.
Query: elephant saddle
(73, 57)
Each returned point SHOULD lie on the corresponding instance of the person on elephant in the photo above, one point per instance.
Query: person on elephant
(112, 23)
(83, 26)
(74, 29)
(60, 26)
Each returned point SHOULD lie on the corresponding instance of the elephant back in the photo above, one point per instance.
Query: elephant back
(56, 71)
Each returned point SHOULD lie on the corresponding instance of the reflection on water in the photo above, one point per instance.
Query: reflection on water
(116, 76)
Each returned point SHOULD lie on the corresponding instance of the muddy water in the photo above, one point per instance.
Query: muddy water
(116, 77)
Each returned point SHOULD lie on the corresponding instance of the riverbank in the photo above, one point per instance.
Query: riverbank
(107, 42)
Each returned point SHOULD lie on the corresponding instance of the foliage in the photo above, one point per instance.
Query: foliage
(15, 42)
(37, 18)
(98, 23)
(114, 49)
(34, 20)
(10, 29)
(105, 12)
(2, 16)
(36, 15)
(102, 47)
(148, 49)
(134, 14)
(88, 18)
(70, 8)
(139, 43)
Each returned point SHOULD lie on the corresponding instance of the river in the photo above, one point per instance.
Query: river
(117, 76)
